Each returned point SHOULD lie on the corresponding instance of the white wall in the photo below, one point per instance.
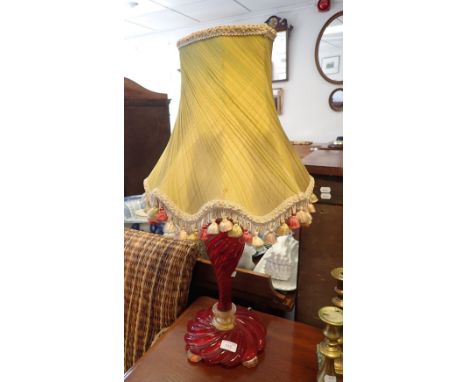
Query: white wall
(153, 60)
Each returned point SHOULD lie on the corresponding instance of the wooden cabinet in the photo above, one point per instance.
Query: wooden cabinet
(321, 245)
(147, 131)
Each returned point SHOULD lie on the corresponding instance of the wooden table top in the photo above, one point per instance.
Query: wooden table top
(324, 162)
(289, 355)
(320, 160)
(302, 149)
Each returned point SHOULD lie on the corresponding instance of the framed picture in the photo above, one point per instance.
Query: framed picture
(278, 97)
(330, 65)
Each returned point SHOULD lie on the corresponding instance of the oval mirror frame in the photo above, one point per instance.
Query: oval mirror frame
(330, 100)
(317, 46)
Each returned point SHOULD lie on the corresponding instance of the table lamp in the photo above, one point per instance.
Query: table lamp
(228, 176)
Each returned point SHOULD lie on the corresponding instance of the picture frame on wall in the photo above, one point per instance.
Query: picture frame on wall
(331, 65)
(278, 98)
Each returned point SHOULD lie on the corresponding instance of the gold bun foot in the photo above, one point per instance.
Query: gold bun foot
(251, 362)
(338, 363)
(193, 357)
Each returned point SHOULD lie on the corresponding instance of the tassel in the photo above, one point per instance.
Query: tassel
(283, 230)
(204, 234)
(161, 216)
(247, 236)
(302, 216)
(256, 241)
(270, 238)
(225, 225)
(311, 208)
(193, 235)
(152, 215)
(308, 220)
(169, 227)
(182, 235)
(213, 228)
(293, 222)
(236, 231)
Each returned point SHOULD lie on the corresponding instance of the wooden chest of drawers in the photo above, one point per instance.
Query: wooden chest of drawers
(321, 245)
(147, 132)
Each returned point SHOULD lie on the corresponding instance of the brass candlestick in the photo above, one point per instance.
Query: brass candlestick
(337, 274)
(330, 349)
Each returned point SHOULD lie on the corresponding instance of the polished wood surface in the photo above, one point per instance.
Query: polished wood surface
(290, 355)
(324, 162)
(147, 131)
(302, 149)
(334, 184)
(135, 94)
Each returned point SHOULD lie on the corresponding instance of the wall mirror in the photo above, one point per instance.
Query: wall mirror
(329, 50)
(336, 99)
(279, 55)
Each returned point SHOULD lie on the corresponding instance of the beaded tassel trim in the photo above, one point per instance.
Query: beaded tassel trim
(216, 209)
(228, 30)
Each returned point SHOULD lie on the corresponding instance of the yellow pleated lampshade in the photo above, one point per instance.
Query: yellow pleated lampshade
(228, 155)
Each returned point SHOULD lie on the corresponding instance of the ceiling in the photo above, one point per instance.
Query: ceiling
(148, 16)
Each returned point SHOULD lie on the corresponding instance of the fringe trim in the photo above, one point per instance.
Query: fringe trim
(159, 334)
(218, 209)
(228, 30)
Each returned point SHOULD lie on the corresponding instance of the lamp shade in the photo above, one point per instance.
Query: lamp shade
(228, 155)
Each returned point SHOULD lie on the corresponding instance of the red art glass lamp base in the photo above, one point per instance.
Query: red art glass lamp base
(225, 334)
(231, 347)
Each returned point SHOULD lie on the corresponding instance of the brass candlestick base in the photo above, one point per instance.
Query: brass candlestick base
(337, 302)
(338, 364)
(337, 274)
(329, 347)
